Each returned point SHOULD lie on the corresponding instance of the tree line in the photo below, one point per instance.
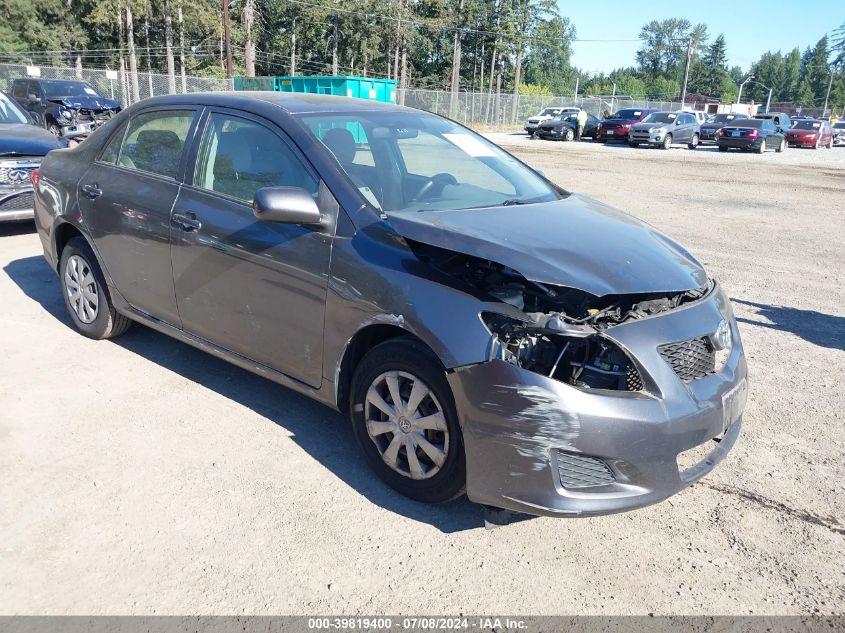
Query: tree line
(474, 45)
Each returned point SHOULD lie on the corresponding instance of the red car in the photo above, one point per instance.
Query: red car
(617, 126)
(810, 133)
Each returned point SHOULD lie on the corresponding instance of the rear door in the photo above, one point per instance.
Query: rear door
(126, 198)
(253, 287)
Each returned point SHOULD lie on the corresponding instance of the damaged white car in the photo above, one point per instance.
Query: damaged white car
(487, 331)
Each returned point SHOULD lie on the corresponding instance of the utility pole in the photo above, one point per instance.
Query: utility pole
(227, 37)
(293, 47)
(769, 101)
(334, 45)
(686, 73)
(827, 96)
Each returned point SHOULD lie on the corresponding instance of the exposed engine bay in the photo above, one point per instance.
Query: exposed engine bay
(560, 331)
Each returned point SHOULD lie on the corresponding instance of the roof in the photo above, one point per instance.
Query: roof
(291, 102)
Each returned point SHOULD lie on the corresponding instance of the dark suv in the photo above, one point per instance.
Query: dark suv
(22, 145)
(72, 109)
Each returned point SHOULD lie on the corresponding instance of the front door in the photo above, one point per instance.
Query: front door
(256, 288)
(126, 197)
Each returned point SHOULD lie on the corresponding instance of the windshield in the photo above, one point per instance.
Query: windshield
(55, 89)
(755, 123)
(411, 161)
(660, 117)
(627, 114)
(9, 112)
(550, 112)
(724, 118)
(840, 126)
(806, 125)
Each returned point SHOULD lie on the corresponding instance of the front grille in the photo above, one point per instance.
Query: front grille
(633, 381)
(18, 203)
(691, 359)
(580, 471)
(17, 175)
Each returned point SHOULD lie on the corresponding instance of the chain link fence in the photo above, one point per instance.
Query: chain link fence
(114, 83)
(502, 110)
(470, 108)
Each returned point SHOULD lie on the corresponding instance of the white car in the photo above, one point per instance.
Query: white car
(547, 113)
(700, 115)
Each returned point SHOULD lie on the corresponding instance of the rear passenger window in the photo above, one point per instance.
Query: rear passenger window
(19, 90)
(238, 157)
(155, 140)
(112, 150)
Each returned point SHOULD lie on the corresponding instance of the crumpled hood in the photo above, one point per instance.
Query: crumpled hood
(576, 242)
(27, 140)
(87, 102)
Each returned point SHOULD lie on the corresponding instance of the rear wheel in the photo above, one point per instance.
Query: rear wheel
(781, 146)
(667, 142)
(723, 148)
(762, 147)
(404, 419)
(86, 295)
(694, 142)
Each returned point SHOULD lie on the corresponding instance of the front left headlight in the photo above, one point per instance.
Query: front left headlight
(66, 114)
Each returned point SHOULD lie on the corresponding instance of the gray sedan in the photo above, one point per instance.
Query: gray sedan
(664, 129)
(485, 330)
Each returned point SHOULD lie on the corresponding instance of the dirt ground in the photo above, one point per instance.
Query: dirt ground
(141, 476)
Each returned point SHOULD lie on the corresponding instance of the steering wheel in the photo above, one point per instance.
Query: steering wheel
(437, 180)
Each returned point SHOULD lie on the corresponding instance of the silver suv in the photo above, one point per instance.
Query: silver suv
(664, 129)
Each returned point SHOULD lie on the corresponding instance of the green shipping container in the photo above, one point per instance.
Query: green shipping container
(339, 86)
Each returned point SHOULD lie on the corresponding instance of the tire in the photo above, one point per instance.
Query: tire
(409, 363)
(762, 147)
(570, 135)
(53, 128)
(723, 148)
(818, 142)
(91, 309)
(830, 144)
(632, 144)
(667, 142)
(781, 146)
(694, 142)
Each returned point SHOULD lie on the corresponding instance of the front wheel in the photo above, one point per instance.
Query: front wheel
(54, 129)
(632, 144)
(86, 295)
(404, 419)
(694, 142)
(723, 148)
(570, 135)
(667, 142)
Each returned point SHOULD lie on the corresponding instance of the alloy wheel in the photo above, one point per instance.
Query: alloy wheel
(407, 424)
(81, 287)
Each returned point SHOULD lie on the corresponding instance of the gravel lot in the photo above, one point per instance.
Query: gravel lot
(141, 476)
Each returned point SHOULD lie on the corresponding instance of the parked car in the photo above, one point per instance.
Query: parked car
(664, 129)
(564, 127)
(72, 109)
(810, 133)
(617, 126)
(700, 115)
(839, 133)
(716, 123)
(484, 329)
(780, 119)
(22, 145)
(755, 135)
(547, 113)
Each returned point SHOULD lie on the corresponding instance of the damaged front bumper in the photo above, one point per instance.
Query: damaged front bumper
(540, 446)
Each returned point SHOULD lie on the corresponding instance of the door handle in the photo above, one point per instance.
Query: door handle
(188, 221)
(92, 191)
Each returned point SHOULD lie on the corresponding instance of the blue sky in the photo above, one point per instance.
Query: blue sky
(750, 27)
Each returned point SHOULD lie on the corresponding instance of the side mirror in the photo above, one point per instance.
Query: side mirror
(33, 99)
(291, 205)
